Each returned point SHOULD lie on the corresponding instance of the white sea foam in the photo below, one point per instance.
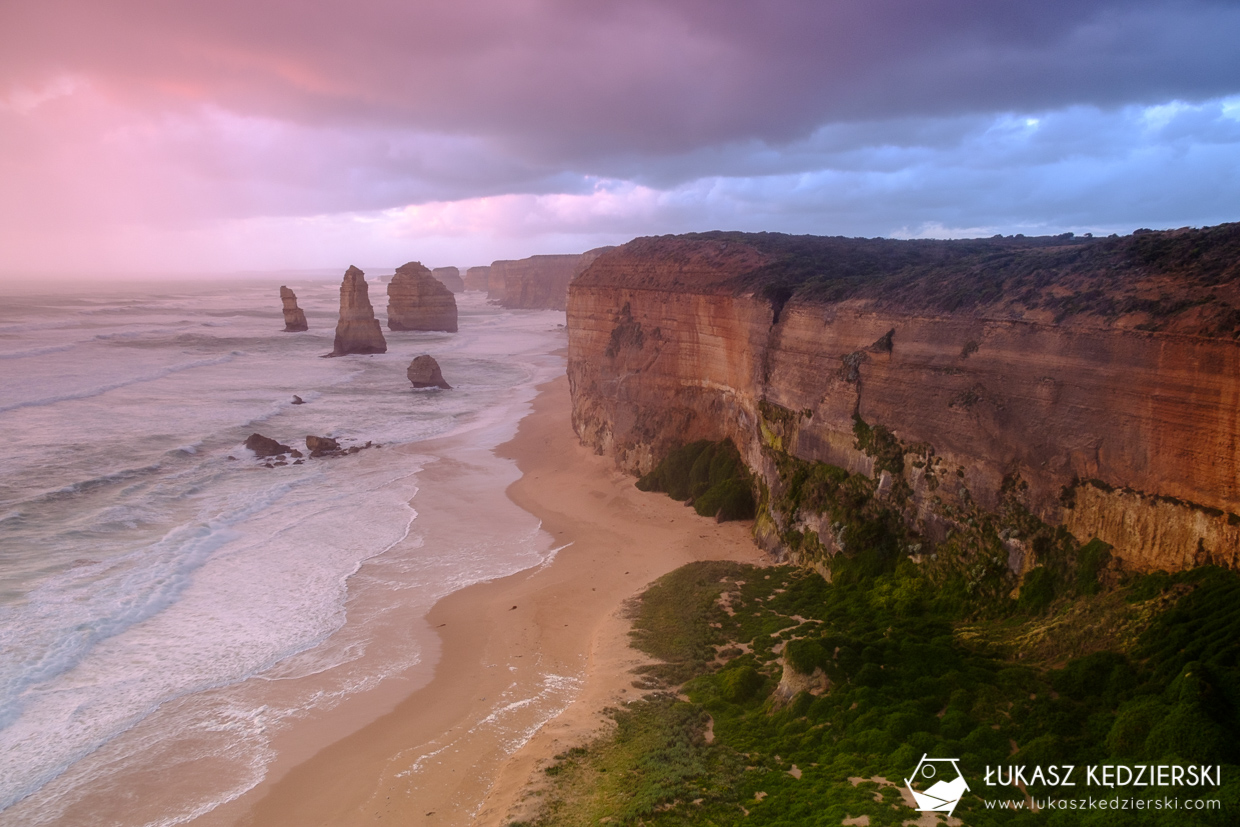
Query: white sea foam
(148, 577)
(36, 351)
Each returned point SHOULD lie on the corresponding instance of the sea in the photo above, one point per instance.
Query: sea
(169, 600)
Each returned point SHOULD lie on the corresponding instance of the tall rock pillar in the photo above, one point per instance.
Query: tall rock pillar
(358, 330)
(294, 317)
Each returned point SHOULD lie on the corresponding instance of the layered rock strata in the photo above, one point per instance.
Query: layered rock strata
(357, 331)
(537, 282)
(449, 277)
(294, 318)
(418, 301)
(1094, 383)
(477, 278)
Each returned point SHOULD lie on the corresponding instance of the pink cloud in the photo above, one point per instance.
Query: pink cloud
(123, 122)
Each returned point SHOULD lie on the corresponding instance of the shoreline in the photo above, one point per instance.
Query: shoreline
(550, 642)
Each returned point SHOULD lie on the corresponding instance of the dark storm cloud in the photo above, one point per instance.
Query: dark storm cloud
(579, 81)
(576, 123)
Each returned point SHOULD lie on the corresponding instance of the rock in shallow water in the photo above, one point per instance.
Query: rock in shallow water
(424, 372)
(320, 445)
(264, 446)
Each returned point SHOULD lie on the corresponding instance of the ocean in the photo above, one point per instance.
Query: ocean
(166, 599)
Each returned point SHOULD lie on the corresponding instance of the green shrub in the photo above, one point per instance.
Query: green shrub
(806, 655)
(739, 685)
(1133, 724)
(1037, 592)
(1090, 561)
(711, 475)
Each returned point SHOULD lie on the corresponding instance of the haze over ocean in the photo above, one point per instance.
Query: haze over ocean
(147, 575)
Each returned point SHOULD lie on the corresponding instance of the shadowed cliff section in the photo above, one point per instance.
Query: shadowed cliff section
(1090, 383)
(537, 282)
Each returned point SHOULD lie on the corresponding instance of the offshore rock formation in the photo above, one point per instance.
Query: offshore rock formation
(537, 282)
(424, 372)
(449, 277)
(476, 278)
(265, 446)
(294, 318)
(417, 301)
(320, 445)
(1089, 383)
(358, 330)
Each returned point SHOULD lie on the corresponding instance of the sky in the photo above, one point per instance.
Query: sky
(178, 136)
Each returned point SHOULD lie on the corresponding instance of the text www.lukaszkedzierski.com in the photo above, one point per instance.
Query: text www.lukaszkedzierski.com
(1090, 803)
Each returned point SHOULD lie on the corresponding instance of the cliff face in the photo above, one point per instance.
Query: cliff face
(537, 282)
(358, 330)
(477, 278)
(294, 316)
(1093, 382)
(449, 277)
(418, 301)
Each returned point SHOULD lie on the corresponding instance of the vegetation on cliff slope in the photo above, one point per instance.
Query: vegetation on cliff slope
(907, 675)
(710, 476)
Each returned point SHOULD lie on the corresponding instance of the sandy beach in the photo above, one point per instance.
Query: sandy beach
(448, 754)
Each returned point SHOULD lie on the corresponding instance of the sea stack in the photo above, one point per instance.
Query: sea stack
(358, 330)
(424, 372)
(449, 277)
(294, 318)
(476, 277)
(417, 301)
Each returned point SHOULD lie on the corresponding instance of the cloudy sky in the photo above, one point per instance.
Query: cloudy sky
(180, 135)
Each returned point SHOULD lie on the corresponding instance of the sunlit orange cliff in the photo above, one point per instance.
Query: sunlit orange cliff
(992, 393)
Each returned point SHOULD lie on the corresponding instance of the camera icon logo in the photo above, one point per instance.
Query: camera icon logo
(937, 784)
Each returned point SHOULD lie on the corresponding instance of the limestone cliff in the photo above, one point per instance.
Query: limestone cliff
(358, 330)
(1089, 383)
(418, 301)
(537, 282)
(294, 316)
(496, 281)
(449, 277)
(476, 278)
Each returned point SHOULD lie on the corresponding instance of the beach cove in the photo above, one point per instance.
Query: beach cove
(443, 755)
(253, 622)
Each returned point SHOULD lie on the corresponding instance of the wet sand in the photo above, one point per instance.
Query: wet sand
(525, 663)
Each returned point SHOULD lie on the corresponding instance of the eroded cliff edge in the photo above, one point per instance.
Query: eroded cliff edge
(988, 392)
